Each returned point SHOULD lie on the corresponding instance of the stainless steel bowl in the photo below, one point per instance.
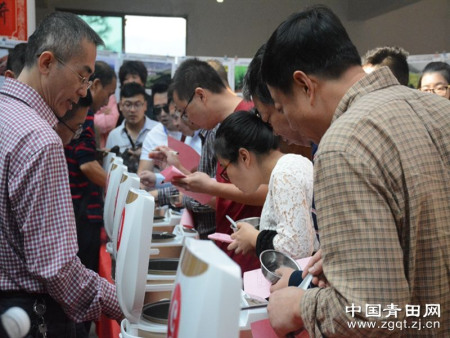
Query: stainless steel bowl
(157, 312)
(271, 260)
(252, 220)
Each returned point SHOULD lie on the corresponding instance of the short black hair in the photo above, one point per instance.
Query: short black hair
(16, 58)
(62, 34)
(442, 68)
(393, 57)
(313, 41)
(254, 85)
(133, 67)
(104, 72)
(132, 89)
(244, 129)
(194, 73)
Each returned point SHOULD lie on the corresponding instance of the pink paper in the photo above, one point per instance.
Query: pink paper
(186, 219)
(302, 262)
(255, 284)
(262, 329)
(171, 172)
(189, 158)
(217, 236)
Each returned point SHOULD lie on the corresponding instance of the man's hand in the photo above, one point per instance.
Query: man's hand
(195, 182)
(164, 157)
(315, 268)
(244, 238)
(148, 179)
(284, 310)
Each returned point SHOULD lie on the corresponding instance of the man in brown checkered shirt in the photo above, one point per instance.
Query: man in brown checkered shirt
(382, 187)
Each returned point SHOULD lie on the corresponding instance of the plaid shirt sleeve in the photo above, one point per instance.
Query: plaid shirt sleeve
(40, 197)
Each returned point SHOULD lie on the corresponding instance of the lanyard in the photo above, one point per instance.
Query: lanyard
(133, 146)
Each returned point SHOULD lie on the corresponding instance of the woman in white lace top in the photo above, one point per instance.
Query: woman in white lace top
(247, 150)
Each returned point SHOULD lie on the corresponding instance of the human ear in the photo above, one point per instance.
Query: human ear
(306, 84)
(10, 74)
(201, 93)
(244, 156)
(96, 84)
(45, 61)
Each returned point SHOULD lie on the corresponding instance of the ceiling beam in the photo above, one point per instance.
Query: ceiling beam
(360, 10)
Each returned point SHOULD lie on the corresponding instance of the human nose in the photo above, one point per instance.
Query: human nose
(82, 91)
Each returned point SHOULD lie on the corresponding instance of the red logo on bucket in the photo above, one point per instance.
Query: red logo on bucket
(119, 235)
(174, 313)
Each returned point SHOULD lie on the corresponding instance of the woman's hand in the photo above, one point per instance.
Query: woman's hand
(285, 273)
(195, 182)
(244, 238)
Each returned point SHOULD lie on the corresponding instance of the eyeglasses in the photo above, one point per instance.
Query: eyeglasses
(129, 105)
(439, 90)
(84, 81)
(159, 108)
(255, 112)
(184, 117)
(224, 174)
(76, 133)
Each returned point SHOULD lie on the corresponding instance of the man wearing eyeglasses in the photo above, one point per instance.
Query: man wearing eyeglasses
(39, 267)
(160, 101)
(130, 135)
(201, 96)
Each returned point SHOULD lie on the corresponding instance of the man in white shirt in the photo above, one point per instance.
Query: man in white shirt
(130, 135)
(190, 136)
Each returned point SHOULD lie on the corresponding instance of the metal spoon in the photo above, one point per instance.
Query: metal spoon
(305, 283)
(233, 223)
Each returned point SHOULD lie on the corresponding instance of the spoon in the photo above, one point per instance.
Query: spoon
(305, 283)
(233, 223)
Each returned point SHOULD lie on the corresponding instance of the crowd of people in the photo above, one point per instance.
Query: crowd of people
(369, 199)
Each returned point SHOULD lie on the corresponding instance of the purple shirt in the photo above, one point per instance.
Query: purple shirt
(38, 239)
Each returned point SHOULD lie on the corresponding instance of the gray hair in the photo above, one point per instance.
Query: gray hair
(60, 33)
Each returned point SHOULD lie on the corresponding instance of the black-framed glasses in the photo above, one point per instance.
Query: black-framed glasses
(76, 133)
(84, 81)
(129, 105)
(255, 112)
(159, 108)
(184, 117)
(224, 173)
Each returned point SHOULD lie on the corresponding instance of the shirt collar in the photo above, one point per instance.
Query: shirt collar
(31, 97)
(148, 125)
(378, 79)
